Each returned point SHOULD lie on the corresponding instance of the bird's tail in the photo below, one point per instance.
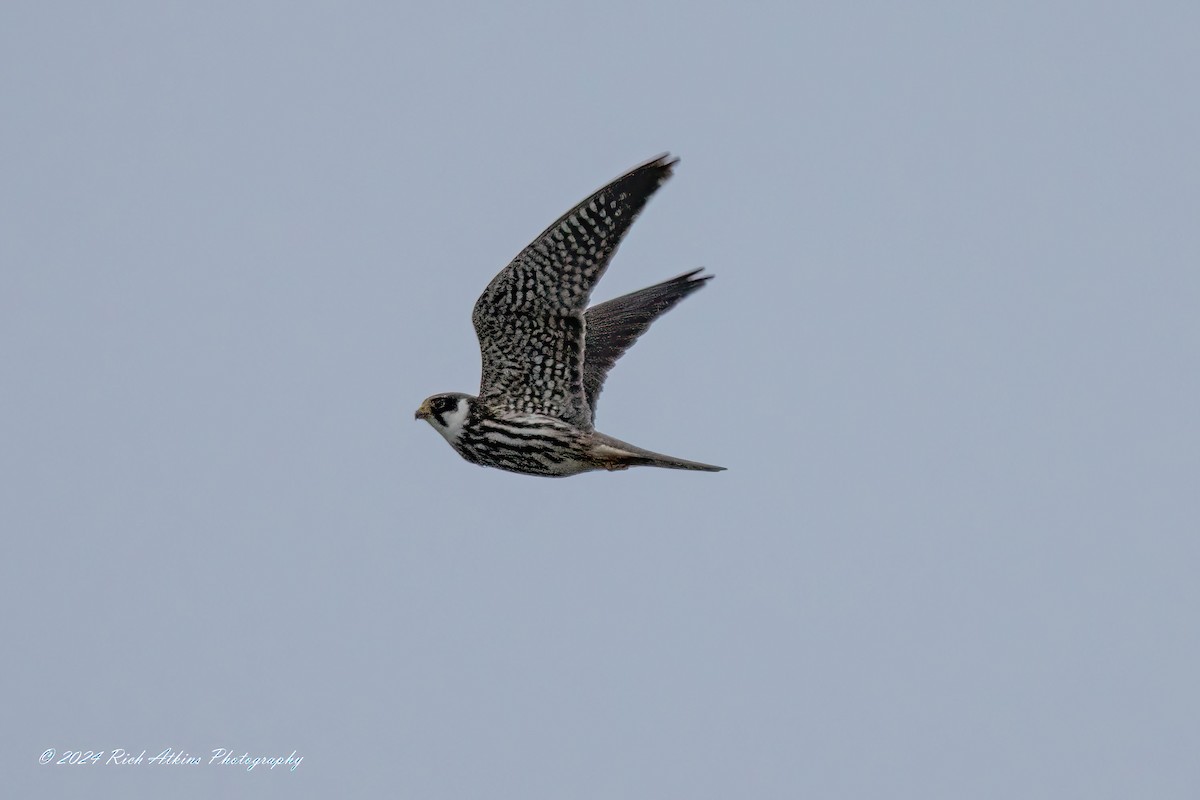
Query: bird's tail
(615, 454)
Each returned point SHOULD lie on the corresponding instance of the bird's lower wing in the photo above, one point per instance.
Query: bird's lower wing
(613, 326)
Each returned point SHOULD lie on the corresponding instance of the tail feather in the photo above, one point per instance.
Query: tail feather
(615, 454)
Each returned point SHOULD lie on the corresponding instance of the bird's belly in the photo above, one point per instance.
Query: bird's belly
(529, 446)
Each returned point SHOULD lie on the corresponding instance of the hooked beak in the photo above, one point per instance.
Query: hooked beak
(423, 412)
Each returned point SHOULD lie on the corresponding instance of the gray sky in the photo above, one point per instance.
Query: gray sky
(949, 357)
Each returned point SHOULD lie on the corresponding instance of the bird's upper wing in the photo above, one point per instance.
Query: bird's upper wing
(613, 326)
(530, 319)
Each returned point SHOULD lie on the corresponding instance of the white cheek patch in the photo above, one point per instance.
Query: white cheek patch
(454, 421)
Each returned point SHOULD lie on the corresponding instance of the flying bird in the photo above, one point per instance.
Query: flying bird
(545, 357)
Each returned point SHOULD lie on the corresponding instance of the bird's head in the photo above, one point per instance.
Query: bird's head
(447, 413)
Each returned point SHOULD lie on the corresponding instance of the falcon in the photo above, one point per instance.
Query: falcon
(546, 354)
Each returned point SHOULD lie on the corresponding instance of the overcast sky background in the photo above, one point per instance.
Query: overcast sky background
(949, 357)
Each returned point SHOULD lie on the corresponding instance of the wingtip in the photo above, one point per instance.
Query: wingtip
(663, 161)
(693, 278)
